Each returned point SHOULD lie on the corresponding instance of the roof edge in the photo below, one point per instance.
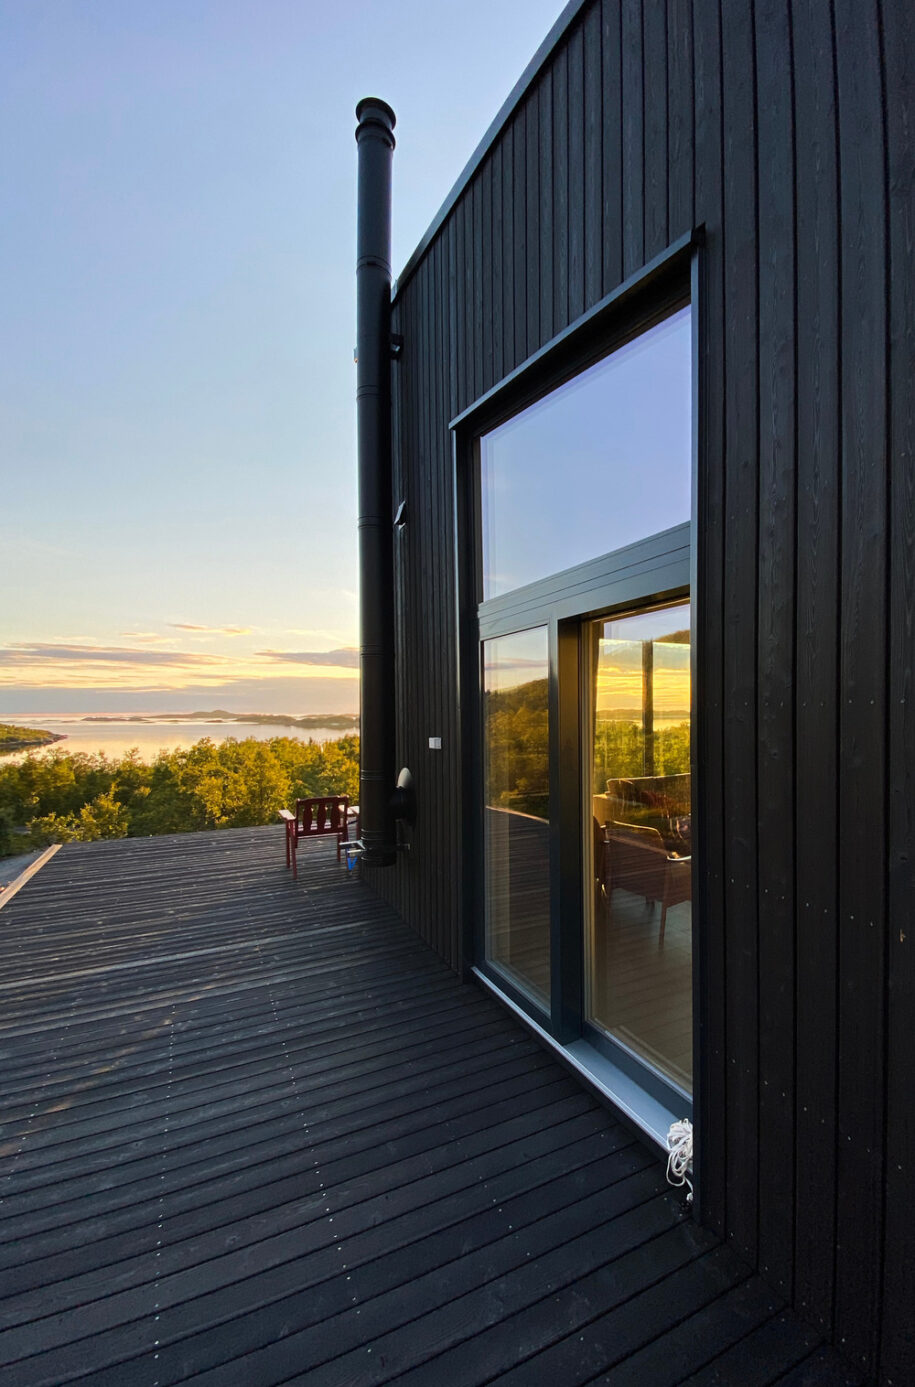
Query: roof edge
(514, 98)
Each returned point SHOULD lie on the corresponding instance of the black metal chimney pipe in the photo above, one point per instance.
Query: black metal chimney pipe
(375, 139)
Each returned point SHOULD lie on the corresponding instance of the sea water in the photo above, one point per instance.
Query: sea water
(150, 737)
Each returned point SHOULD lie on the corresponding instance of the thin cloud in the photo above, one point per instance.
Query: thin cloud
(45, 652)
(346, 658)
(77, 664)
(210, 630)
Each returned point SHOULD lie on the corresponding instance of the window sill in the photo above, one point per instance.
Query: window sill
(606, 1079)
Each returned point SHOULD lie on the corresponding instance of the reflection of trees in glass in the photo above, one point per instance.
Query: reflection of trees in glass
(619, 750)
(516, 735)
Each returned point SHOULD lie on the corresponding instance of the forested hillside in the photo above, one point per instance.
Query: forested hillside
(64, 797)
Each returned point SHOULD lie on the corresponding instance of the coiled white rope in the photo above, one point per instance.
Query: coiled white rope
(680, 1146)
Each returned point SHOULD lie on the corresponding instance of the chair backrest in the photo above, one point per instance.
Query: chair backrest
(637, 859)
(668, 794)
(641, 833)
(326, 814)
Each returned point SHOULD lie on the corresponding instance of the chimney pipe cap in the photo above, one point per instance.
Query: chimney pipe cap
(372, 111)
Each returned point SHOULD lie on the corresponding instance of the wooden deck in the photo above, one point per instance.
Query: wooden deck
(255, 1133)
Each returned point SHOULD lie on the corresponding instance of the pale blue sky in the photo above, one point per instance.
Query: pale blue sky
(176, 382)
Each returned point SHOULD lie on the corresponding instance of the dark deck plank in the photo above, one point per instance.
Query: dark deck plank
(254, 1132)
(782, 1339)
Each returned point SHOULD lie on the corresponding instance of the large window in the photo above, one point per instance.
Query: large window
(580, 518)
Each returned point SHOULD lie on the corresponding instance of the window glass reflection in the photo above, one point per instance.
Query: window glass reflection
(639, 837)
(600, 462)
(516, 800)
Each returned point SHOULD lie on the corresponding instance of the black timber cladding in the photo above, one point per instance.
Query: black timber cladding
(785, 131)
(255, 1132)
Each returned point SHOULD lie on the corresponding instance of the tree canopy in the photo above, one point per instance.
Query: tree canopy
(75, 796)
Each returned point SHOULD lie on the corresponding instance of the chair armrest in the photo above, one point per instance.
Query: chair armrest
(289, 818)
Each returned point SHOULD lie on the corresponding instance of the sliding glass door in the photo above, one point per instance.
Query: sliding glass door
(637, 831)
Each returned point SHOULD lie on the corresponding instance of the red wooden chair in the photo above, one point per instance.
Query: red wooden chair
(316, 818)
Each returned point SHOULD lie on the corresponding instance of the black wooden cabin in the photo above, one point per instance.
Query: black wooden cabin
(653, 566)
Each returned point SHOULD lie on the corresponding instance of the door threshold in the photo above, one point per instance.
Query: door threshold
(652, 1118)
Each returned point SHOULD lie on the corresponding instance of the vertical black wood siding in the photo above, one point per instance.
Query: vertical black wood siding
(898, 1260)
(787, 129)
(817, 655)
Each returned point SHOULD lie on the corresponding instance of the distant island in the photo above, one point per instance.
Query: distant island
(331, 720)
(14, 738)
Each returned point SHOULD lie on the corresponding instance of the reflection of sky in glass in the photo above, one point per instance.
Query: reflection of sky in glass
(517, 659)
(600, 462)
